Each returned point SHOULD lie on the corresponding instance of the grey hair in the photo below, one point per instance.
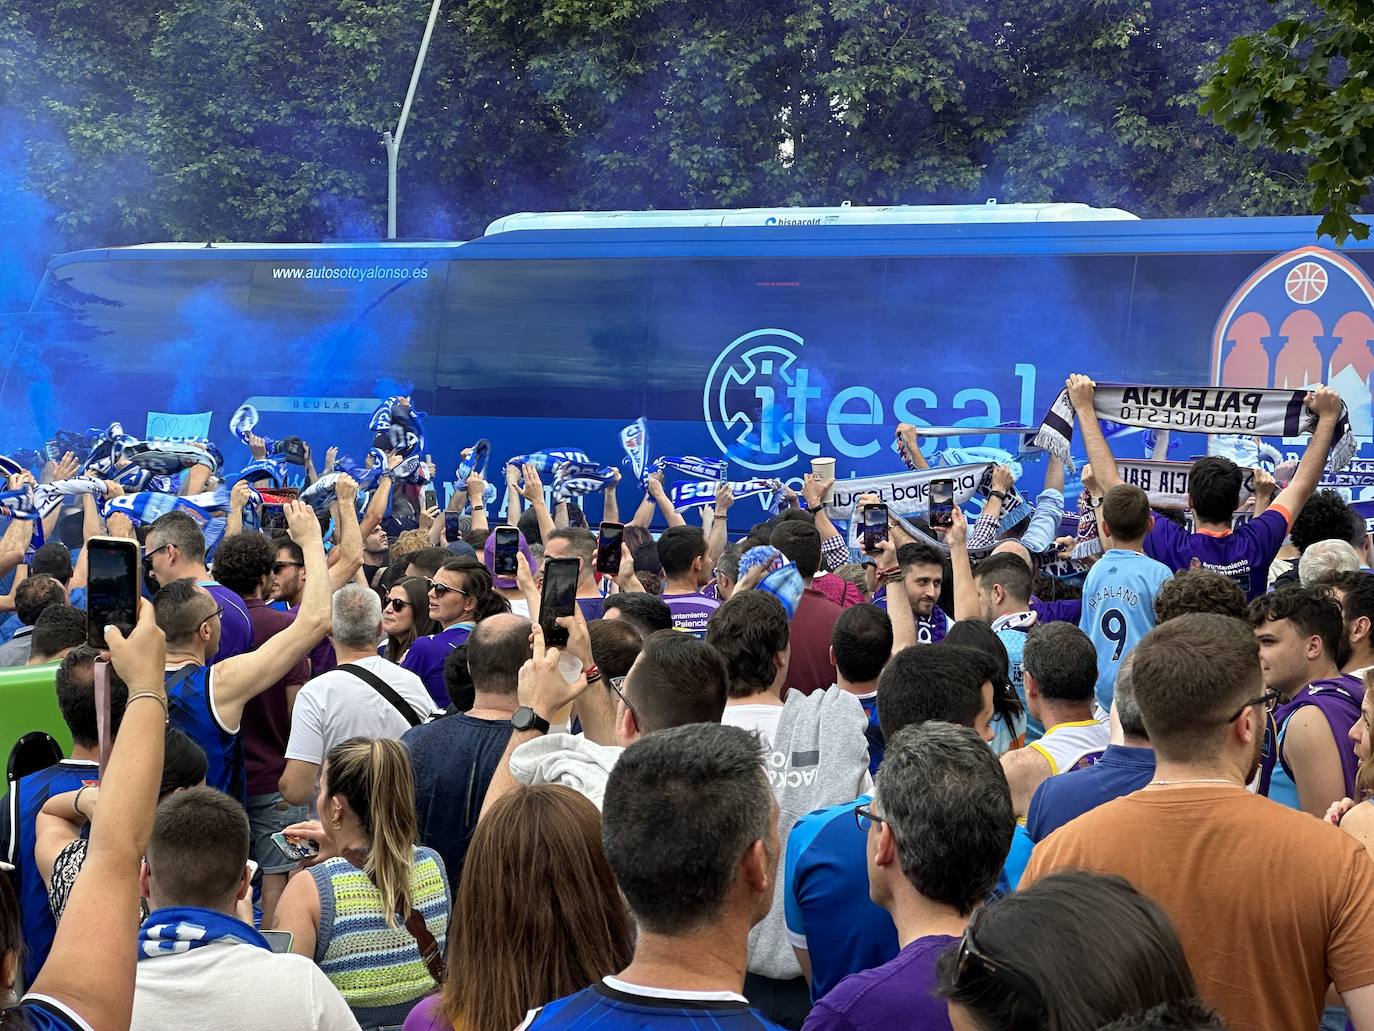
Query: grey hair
(357, 616)
(943, 793)
(1127, 712)
(1326, 557)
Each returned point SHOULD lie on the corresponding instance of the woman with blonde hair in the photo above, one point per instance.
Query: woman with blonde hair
(1353, 817)
(538, 914)
(374, 911)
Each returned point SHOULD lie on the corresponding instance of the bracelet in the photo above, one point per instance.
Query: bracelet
(1000, 495)
(892, 578)
(591, 673)
(160, 699)
(76, 802)
(479, 508)
(718, 515)
(889, 570)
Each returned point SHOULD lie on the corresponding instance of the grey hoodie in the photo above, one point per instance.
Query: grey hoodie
(818, 758)
(567, 759)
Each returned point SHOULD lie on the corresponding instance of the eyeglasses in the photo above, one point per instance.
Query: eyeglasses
(616, 683)
(971, 959)
(865, 817)
(214, 615)
(396, 604)
(1269, 700)
(277, 567)
(439, 590)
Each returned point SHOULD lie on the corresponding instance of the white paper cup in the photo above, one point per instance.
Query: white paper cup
(824, 469)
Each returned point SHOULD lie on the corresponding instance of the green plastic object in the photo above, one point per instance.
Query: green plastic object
(28, 701)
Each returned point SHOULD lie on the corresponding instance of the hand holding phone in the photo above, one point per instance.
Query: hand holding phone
(608, 543)
(296, 849)
(559, 598)
(942, 504)
(113, 587)
(875, 527)
(505, 550)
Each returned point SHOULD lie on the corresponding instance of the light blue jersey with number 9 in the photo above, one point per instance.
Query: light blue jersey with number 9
(1118, 610)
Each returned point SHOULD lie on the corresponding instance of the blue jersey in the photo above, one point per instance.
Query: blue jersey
(1011, 631)
(877, 744)
(614, 1004)
(1118, 610)
(41, 1013)
(191, 709)
(828, 910)
(26, 798)
(1060, 799)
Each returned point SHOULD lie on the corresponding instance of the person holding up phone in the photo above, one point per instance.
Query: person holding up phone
(588, 550)
(206, 698)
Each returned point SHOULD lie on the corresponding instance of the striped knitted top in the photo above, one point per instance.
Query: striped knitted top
(376, 968)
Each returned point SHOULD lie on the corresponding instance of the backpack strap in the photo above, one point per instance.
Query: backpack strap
(384, 689)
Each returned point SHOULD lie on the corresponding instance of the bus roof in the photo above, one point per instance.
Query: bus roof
(1122, 237)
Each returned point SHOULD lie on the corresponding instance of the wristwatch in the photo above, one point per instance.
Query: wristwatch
(479, 508)
(526, 718)
(1000, 495)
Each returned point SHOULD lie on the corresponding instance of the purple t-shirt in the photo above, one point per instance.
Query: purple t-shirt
(425, 1016)
(235, 628)
(900, 993)
(427, 656)
(691, 611)
(1069, 610)
(1243, 555)
(930, 629)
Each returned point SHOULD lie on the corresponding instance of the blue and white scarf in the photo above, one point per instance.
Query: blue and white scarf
(166, 457)
(577, 479)
(1026, 446)
(402, 423)
(242, 423)
(685, 494)
(476, 461)
(691, 465)
(634, 438)
(210, 510)
(107, 446)
(269, 468)
(37, 502)
(174, 930)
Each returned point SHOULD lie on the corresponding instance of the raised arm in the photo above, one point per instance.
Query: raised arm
(477, 492)
(1081, 393)
(716, 539)
(910, 443)
(237, 679)
(610, 503)
(987, 527)
(513, 506)
(91, 966)
(644, 514)
(660, 496)
(834, 548)
(898, 604)
(965, 596)
(534, 494)
(349, 550)
(1327, 404)
(196, 478)
(238, 501)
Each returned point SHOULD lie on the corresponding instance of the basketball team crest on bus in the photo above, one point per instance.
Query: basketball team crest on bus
(1304, 317)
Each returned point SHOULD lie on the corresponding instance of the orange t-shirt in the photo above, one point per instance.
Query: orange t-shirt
(1271, 904)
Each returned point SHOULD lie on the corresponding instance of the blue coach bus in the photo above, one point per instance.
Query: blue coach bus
(772, 337)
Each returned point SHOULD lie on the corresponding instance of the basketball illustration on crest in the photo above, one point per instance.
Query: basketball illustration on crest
(1302, 318)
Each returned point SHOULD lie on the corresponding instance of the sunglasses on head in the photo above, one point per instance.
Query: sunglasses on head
(396, 604)
(973, 961)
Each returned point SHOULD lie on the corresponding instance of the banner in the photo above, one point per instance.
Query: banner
(685, 494)
(634, 438)
(1167, 482)
(906, 493)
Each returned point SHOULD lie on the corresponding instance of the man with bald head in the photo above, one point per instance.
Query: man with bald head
(454, 758)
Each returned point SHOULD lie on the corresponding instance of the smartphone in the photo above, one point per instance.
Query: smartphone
(112, 586)
(875, 526)
(505, 551)
(559, 598)
(279, 940)
(942, 503)
(608, 544)
(431, 499)
(295, 849)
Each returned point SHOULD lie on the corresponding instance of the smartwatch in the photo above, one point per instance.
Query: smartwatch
(526, 718)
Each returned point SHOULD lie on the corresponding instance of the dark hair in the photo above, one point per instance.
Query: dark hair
(528, 524)
(974, 633)
(457, 680)
(681, 809)
(1126, 512)
(59, 627)
(1325, 517)
(429, 560)
(943, 792)
(1063, 661)
(1357, 590)
(1132, 960)
(241, 562)
(35, 594)
(183, 762)
(496, 651)
(615, 646)
(862, 639)
(477, 581)
(182, 532)
(538, 914)
(477, 538)
(1184, 1015)
(581, 545)
(749, 631)
(282, 542)
(1214, 486)
(75, 684)
(181, 608)
(1199, 590)
(679, 547)
(1358, 534)
(800, 515)
(800, 543)
(643, 548)
(199, 847)
(1189, 676)
(919, 553)
(11, 941)
(53, 559)
(1312, 613)
(422, 624)
(677, 679)
(1008, 571)
(645, 612)
(932, 682)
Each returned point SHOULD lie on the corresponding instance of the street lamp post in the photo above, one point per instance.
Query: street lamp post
(391, 141)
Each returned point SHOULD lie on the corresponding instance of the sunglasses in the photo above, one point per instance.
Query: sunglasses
(973, 960)
(278, 567)
(439, 590)
(148, 558)
(396, 604)
(214, 615)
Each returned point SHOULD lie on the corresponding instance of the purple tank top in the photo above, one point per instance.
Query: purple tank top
(1339, 700)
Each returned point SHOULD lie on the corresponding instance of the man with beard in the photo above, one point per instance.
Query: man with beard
(923, 575)
(1271, 907)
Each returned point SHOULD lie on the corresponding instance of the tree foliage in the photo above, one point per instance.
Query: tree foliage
(1303, 87)
(262, 119)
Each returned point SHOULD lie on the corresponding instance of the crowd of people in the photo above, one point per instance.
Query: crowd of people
(337, 776)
